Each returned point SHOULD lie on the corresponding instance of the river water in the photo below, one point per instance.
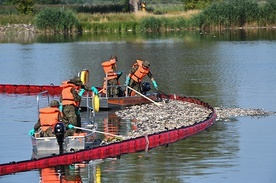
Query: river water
(226, 69)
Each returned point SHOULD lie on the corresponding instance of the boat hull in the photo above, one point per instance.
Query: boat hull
(43, 146)
(119, 102)
(50, 143)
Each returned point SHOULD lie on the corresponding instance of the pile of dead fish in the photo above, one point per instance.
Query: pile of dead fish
(224, 114)
(151, 118)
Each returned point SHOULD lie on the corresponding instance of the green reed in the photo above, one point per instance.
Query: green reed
(16, 19)
(267, 14)
(145, 24)
(236, 14)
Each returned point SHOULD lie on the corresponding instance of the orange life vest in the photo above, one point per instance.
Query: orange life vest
(63, 83)
(48, 117)
(140, 73)
(108, 70)
(49, 175)
(67, 96)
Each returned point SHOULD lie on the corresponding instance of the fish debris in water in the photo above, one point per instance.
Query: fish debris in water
(151, 118)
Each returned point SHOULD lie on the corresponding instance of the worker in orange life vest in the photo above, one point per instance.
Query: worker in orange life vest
(48, 117)
(139, 70)
(112, 76)
(70, 98)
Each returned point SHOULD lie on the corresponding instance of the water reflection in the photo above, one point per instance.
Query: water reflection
(212, 149)
(71, 173)
(216, 148)
(60, 174)
(223, 35)
(110, 126)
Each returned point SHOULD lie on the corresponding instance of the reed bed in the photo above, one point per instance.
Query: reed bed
(16, 19)
(237, 14)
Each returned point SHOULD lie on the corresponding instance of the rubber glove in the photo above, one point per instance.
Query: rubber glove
(119, 74)
(81, 92)
(60, 107)
(77, 112)
(127, 80)
(94, 89)
(31, 132)
(70, 126)
(155, 85)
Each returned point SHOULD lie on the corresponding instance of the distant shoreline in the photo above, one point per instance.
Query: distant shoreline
(11, 29)
(18, 29)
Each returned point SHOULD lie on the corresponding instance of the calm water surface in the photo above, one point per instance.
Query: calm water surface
(230, 69)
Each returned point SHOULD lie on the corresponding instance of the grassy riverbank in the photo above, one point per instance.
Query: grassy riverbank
(118, 22)
(140, 21)
(218, 16)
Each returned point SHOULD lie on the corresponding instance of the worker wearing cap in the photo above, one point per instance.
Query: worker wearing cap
(139, 70)
(70, 99)
(48, 117)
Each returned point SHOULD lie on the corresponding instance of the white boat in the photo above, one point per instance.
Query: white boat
(50, 144)
(43, 146)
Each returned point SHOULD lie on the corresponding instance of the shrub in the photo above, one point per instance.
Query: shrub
(57, 20)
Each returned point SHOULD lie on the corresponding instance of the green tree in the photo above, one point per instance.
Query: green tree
(25, 6)
(126, 6)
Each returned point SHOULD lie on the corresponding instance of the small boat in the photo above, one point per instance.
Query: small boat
(49, 145)
(122, 99)
(106, 102)
(45, 146)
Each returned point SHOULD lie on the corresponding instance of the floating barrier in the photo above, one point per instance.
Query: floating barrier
(118, 148)
(29, 89)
